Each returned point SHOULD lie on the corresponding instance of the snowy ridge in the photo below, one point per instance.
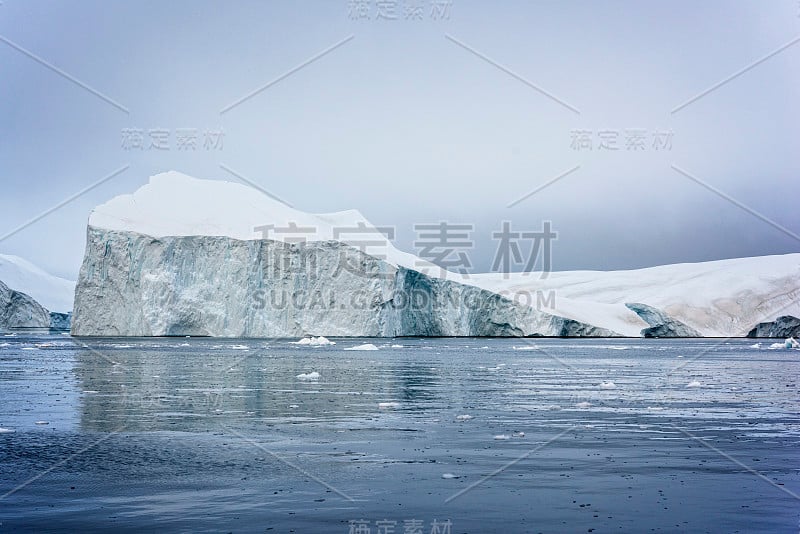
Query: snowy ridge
(54, 293)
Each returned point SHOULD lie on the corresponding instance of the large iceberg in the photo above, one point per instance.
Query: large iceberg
(183, 256)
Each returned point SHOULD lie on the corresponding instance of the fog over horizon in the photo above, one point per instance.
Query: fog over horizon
(647, 134)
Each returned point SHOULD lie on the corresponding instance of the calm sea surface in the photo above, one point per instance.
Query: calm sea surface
(419, 436)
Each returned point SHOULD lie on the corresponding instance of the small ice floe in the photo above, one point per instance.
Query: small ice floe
(44, 345)
(502, 437)
(463, 417)
(184, 345)
(618, 348)
(293, 406)
(792, 343)
(5, 430)
(312, 341)
(5, 344)
(397, 346)
(29, 348)
(755, 346)
(777, 346)
(365, 346)
(527, 347)
(448, 476)
(655, 408)
(9, 335)
(240, 347)
(694, 384)
(584, 405)
(608, 384)
(42, 423)
(388, 405)
(519, 434)
(308, 376)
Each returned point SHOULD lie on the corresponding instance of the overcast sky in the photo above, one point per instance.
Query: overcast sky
(447, 113)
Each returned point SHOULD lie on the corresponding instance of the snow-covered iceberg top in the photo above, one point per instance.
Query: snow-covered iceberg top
(174, 204)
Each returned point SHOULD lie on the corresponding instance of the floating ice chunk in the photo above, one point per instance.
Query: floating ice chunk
(618, 348)
(240, 347)
(314, 341)
(388, 405)
(397, 346)
(365, 346)
(777, 346)
(5, 430)
(655, 408)
(608, 385)
(527, 347)
(502, 437)
(755, 346)
(29, 348)
(42, 422)
(792, 343)
(448, 476)
(463, 417)
(5, 344)
(308, 376)
(519, 434)
(694, 384)
(293, 406)
(584, 405)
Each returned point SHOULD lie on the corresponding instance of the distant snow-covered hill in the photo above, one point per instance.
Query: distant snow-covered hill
(54, 293)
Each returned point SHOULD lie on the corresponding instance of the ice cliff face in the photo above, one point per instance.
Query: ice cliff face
(18, 310)
(136, 285)
(661, 324)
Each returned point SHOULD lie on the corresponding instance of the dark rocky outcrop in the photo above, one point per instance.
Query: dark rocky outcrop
(782, 327)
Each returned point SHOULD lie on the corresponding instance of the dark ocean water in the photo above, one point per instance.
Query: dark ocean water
(579, 435)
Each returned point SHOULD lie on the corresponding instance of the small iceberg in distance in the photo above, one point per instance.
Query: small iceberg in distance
(365, 346)
(314, 341)
(308, 376)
